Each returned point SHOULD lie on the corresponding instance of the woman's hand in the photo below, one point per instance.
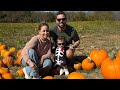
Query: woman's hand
(32, 64)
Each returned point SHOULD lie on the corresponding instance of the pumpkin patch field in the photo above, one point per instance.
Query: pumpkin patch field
(97, 56)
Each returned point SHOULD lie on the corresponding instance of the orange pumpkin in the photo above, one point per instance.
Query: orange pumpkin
(77, 65)
(8, 60)
(7, 76)
(20, 72)
(3, 46)
(18, 61)
(4, 70)
(2, 52)
(98, 56)
(48, 77)
(110, 68)
(87, 64)
(7, 53)
(19, 52)
(12, 49)
(76, 75)
(69, 53)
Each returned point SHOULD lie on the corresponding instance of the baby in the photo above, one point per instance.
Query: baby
(60, 57)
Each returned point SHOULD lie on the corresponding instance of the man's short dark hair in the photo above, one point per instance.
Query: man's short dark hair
(61, 12)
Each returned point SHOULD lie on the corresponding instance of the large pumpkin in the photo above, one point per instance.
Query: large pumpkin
(98, 56)
(69, 53)
(76, 75)
(110, 69)
(87, 64)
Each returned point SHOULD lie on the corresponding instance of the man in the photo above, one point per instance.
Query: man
(63, 29)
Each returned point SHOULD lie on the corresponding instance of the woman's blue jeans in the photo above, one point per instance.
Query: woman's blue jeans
(33, 56)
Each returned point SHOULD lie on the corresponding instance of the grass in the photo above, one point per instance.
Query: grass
(93, 34)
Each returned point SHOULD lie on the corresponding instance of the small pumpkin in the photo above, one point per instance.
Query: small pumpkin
(7, 76)
(69, 53)
(87, 64)
(8, 60)
(20, 72)
(18, 61)
(12, 49)
(19, 52)
(77, 65)
(3, 51)
(7, 53)
(76, 75)
(48, 77)
(3, 46)
(4, 70)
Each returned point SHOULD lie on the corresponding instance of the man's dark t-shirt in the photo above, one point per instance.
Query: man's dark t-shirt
(70, 34)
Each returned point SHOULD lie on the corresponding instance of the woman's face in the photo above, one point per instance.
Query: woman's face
(44, 32)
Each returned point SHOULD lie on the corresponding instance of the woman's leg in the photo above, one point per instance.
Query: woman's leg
(30, 71)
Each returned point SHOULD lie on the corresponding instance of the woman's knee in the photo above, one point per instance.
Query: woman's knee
(31, 51)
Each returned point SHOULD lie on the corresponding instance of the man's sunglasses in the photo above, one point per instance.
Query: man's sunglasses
(63, 19)
(61, 43)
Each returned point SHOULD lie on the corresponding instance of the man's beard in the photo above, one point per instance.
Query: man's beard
(61, 25)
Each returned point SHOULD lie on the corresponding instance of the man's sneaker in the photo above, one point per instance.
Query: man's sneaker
(26, 75)
(61, 71)
(66, 71)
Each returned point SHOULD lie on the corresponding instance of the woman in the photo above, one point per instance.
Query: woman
(36, 53)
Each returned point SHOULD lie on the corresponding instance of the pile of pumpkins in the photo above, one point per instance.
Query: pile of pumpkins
(109, 65)
(7, 61)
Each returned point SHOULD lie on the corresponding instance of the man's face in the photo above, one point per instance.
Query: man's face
(61, 20)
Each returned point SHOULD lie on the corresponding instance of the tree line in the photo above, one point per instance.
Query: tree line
(40, 16)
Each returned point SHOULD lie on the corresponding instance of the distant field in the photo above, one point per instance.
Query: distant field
(93, 34)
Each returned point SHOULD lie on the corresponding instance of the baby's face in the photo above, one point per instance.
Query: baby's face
(60, 43)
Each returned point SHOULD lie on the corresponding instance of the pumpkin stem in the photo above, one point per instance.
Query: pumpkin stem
(90, 60)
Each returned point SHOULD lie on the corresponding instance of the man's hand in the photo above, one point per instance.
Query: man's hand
(71, 46)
